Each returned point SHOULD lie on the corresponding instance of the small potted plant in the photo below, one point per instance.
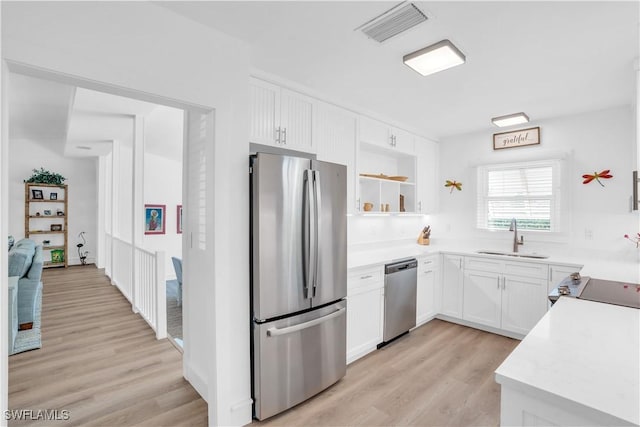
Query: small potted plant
(43, 176)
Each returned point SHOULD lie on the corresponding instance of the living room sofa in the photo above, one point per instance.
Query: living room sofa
(25, 262)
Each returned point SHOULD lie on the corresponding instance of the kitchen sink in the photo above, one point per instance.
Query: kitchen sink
(514, 254)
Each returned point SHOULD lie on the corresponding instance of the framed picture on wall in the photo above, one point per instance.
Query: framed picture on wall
(154, 219)
(179, 221)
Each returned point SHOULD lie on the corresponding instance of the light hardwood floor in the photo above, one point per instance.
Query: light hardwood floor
(441, 374)
(100, 361)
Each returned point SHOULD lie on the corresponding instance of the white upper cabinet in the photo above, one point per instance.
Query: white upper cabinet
(280, 117)
(381, 134)
(264, 113)
(334, 133)
(427, 175)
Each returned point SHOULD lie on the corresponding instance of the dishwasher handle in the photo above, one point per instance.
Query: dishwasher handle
(399, 266)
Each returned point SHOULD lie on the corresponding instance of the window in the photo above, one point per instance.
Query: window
(528, 192)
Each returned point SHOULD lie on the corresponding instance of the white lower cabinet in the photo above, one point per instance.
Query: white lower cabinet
(427, 297)
(452, 279)
(482, 297)
(507, 295)
(365, 311)
(524, 302)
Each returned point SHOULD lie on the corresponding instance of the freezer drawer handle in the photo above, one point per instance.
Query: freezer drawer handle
(274, 332)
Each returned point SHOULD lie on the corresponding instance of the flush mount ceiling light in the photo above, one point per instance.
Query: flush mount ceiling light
(510, 120)
(434, 58)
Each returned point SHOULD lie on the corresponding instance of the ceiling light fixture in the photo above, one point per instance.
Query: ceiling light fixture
(510, 120)
(434, 58)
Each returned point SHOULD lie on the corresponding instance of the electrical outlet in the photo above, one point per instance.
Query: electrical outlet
(588, 234)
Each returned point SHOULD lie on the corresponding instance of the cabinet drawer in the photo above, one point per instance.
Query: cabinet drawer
(483, 264)
(526, 269)
(428, 263)
(360, 280)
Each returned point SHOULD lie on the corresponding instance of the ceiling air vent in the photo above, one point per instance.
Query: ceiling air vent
(392, 22)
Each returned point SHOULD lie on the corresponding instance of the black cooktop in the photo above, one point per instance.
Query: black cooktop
(606, 291)
(618, 293)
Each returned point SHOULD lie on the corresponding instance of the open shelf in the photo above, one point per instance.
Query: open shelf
(381, 192)
(49, 264)
(47, 232)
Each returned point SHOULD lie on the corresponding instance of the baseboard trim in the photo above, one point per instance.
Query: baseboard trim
(197, 381)
(473, 325)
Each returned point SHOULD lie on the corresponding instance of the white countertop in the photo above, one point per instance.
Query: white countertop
(393, 251)
(585, 352)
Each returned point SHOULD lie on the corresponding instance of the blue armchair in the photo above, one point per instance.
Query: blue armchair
(177, 266)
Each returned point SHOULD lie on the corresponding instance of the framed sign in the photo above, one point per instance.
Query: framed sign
(154, 219)
(516, 138)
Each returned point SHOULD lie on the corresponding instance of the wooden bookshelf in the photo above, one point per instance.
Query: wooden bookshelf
(42, 202)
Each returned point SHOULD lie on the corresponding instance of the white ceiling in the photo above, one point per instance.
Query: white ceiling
(38, 109)
(544, 58)
(84, 123)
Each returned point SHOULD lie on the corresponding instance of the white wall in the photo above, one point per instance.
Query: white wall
(143, 47)
(597, 217)
(163, 186)
(384, 229)
(27, 155)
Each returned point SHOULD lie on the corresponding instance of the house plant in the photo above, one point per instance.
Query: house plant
(43, 176)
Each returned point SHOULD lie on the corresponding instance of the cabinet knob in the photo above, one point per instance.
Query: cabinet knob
(284, 136)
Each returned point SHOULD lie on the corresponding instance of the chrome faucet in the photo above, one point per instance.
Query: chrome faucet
(514, 228)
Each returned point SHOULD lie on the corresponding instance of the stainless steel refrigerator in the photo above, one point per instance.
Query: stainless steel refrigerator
(298, 279)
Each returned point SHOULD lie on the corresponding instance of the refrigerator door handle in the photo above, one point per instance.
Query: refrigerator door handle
(274, 332)
(309, 239)
(317, 224)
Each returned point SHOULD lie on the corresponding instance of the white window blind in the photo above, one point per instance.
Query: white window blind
(528, 192)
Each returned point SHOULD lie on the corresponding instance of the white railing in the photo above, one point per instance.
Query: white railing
(122, 267)
(150, 290)
(140, 277)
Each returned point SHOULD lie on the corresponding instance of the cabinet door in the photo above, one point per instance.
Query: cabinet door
(524, 302)
(482, 295)
(364, 322)
(403, 141)
(452, 285)
(426, 299)
(296, 113)
(264, 112)
(375, 132)
(427, 176)
(334, 134)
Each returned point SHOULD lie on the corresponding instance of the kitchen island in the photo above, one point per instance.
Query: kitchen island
(580, 365)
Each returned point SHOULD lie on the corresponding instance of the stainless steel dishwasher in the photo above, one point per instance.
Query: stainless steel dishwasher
(400, 282)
